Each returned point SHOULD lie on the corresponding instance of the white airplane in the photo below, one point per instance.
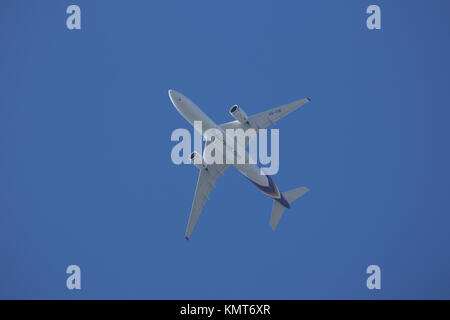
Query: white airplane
(210, 173)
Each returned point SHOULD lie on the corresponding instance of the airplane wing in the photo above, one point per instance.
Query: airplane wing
(206, 180)
(267, 118)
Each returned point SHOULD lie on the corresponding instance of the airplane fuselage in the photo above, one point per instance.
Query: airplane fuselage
(191, 112)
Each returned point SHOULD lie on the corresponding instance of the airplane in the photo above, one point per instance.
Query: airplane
(209, 173)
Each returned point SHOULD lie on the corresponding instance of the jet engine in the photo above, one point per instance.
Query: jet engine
(239, 114)
(197, 160)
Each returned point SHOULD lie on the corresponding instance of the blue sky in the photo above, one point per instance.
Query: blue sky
(85, 170)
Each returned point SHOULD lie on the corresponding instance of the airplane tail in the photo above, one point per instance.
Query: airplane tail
(278, 208)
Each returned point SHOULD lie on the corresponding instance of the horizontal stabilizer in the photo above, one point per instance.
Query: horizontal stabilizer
(277, 212)
(294, 194)
(278, 208)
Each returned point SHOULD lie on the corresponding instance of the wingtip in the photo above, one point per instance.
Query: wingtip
(186, 237)
(309, 99)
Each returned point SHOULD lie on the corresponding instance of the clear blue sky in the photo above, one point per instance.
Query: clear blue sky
(85, 170)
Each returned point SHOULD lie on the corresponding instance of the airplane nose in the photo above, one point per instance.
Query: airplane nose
(175, 96)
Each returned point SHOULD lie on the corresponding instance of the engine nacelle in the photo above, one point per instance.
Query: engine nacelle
(197, 160)
(239, 114)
